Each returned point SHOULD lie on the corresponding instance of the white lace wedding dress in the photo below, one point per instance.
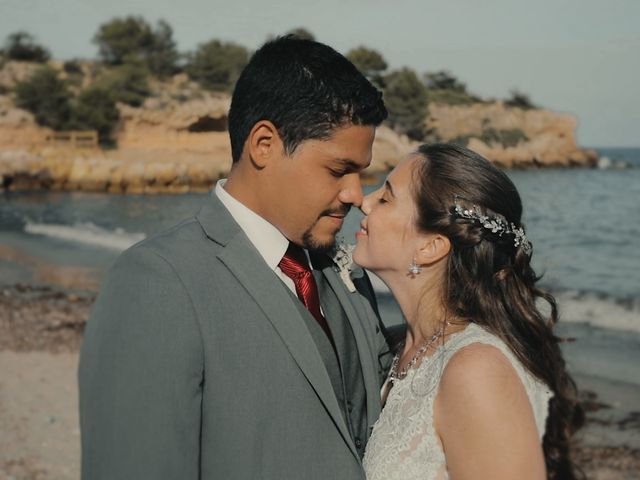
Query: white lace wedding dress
(404, 444)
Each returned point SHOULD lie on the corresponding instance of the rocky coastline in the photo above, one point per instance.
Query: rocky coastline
(153, 162)
(177, 142)
(174, 162)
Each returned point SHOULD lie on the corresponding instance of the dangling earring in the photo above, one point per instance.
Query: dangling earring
(414, 268)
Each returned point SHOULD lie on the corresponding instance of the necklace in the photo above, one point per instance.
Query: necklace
(394, 375)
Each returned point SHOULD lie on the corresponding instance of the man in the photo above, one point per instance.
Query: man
(212, 351)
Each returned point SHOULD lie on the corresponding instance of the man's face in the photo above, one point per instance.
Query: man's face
(311, 191)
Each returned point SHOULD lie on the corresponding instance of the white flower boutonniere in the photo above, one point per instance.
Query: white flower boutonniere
(343, 259)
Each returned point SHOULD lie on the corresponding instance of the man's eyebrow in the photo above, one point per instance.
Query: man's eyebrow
(350, 164)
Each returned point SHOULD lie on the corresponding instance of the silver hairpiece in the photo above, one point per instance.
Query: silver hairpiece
(495, 224)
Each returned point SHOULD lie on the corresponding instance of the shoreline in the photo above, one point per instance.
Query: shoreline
(171, 170)
(147, 179)
(169, 178)
(40, 334)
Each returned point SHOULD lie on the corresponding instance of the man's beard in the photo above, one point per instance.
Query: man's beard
(311, 243)
(314, 245)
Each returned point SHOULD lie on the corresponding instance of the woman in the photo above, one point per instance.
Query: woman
(479, 388)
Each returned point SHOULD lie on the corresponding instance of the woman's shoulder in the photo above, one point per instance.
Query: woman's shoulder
(483, 409)
(479, 367)
(478, 350)
(480, 385)
(482, 374)
(481, 358)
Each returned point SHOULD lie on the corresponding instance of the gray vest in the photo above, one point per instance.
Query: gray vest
(344, 370)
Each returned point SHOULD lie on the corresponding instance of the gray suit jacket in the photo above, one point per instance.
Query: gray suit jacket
(196, 364)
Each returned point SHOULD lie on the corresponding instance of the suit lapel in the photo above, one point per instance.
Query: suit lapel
(245, 263)
(356, 313)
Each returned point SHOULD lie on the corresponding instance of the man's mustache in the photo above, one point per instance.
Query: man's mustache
(342, 211)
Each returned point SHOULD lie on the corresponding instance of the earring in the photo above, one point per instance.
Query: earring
(414, 268)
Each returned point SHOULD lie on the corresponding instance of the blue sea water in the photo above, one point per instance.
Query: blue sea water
(584, 225)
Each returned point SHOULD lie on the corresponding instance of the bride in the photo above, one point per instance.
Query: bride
(478, 389)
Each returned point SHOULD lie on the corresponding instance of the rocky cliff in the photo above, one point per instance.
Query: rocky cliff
(177, 142)
(511, 137)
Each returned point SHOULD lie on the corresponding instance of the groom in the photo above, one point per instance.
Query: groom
(216, 349)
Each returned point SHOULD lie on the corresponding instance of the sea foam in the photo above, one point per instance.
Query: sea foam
(88, 234)
(591, 308)
(599, 310)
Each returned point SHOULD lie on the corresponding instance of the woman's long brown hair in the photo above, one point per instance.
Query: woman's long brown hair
(491, 282)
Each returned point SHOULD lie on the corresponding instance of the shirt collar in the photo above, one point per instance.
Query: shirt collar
(268, 240)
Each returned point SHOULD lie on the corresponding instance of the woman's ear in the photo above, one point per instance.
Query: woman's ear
(263, 142)
(432, 249)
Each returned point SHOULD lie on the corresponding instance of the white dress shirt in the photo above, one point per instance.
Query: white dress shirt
(268, 240)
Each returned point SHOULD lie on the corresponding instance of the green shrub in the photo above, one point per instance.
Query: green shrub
(452, 97)
(520, 100)
(123, 37)
(74, 72)
(217, 65)
(406, 99)
(370, 62)
(443, 80)
(95, 109)
(46, 96)
(301, 32)
(506, 138)
(162, 56)
(444, 88)
(22, 46)
(132, 38)
(127, 83)
(72, 67)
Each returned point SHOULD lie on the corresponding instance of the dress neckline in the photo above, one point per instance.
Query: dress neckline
(428, 359)
(437, 350)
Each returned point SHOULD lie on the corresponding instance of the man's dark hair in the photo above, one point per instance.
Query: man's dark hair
(306, 89)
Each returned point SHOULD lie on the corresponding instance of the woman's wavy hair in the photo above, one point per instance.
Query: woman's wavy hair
(490, 280)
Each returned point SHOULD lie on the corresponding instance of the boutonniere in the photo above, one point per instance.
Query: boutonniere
(343, 259)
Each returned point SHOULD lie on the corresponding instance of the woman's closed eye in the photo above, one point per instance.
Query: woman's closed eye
(383, 198)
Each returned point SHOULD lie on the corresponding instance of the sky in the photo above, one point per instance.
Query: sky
(575, 56)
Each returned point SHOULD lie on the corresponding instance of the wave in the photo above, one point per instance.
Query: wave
(599, 310)
(594, 309)
(87, 233)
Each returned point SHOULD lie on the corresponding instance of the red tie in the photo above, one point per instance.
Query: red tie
(294, 265)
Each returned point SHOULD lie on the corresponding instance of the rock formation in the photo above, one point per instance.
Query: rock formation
(511, 137)
(177, 141)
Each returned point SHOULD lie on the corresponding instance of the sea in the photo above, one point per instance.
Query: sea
(584, 225)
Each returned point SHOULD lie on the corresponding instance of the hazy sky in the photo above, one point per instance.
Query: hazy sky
(578, 56)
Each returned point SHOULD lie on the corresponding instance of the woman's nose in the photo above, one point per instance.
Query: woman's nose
(367, 202)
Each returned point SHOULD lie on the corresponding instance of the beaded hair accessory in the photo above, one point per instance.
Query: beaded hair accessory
(496, 224)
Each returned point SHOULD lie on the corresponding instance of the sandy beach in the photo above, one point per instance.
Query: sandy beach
(40, 333)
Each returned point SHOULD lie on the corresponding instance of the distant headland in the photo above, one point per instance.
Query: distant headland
(145, 118)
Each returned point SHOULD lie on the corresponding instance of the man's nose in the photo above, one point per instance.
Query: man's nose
(352, 191)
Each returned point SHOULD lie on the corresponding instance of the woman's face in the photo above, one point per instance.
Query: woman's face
(388, 238)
